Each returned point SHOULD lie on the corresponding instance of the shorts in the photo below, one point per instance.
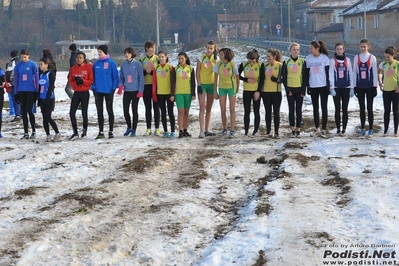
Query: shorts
(223, 92)
(208, 88)
(183, 101)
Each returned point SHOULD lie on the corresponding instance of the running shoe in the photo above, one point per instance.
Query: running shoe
(186, 134)
(147, 132)
(362, 132)
(370, 133)
(74, 137)
(323, 134)
(276, 136)
(33, 135)
(57, 137)
(201, 135)
(25, 136)
(224, 132)
(232, 134)
(209, 134)
(127, 132)
(1, 136)
(110, 135)
(157, 132)
(100, 135)
(133, 133)
(165, 135)
(172, 135)
(316, 133)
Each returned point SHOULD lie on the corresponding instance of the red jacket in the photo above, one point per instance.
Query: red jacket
(84, 71)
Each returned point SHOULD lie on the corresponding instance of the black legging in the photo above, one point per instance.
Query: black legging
(131, 97)
(342, 97)
(109, 100)
(323, 92)
(163, 102)
(79, 98)
(390, 98)
(27, 100)
(248, 97)
(46, 110)
(295, 102)
(148, 102)
(361, 95)
(1, 108)
(272, 99)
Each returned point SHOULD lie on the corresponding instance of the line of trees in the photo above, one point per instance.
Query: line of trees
(38, 24)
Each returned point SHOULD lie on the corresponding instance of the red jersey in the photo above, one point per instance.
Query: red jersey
(84, 71)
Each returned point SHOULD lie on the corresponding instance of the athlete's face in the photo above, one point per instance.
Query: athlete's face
(221, 55)
(270, 58)
(339, 50)
(182, 60)
(162, 58)
(128, 56)
(364, 48)
(150, 51)
(80, 59)
(388, 57)
(100, 53)
(251, 61)
(210, 48)
(24, 58)
(314, 51)
(43, 66)
(294, 51)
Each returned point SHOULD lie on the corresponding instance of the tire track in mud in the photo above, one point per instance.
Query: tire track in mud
(139, 195)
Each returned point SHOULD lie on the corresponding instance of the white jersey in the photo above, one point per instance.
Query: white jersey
(317, 70)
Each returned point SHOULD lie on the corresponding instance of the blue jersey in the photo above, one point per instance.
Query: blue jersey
(26, 76)
(341, 71)
(105, 76)
(44, 84)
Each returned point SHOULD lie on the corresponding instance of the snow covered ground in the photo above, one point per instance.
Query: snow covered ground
(212, 201)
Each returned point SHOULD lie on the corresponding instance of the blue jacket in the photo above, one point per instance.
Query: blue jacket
(26, 76)
(131, 76)
(105, 76)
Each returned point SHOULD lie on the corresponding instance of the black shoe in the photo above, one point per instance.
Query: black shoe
(25, 136)
(15, 119)
(180, 135)
(209, 134)
(75, 136)
(186, 134)
(33, 135)
(110, 135)
(100, 136)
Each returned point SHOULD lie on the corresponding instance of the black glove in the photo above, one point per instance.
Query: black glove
(78, 80)
(356, 91)
(215, 54)
(274, 79)
(375, 91)
(199, 89)
(309, 91)
(16, 97)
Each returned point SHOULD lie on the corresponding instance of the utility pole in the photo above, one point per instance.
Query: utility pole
(113, 22)
(157, 26)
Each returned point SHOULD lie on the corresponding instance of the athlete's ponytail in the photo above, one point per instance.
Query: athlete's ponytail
(276, 53)
(321, 46)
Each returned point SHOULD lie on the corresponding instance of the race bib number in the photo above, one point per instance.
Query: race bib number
(24, 77)
(105, 65)
(294, 68)
(389, 72)
(340, 74)
(226, 72)
(41, 89)
(207, 64)
(163, 73)
(184, 75)
(270, 72)
(251, 73)
(315, 70)
(363, 74)
(150, 65)
(129, 79)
